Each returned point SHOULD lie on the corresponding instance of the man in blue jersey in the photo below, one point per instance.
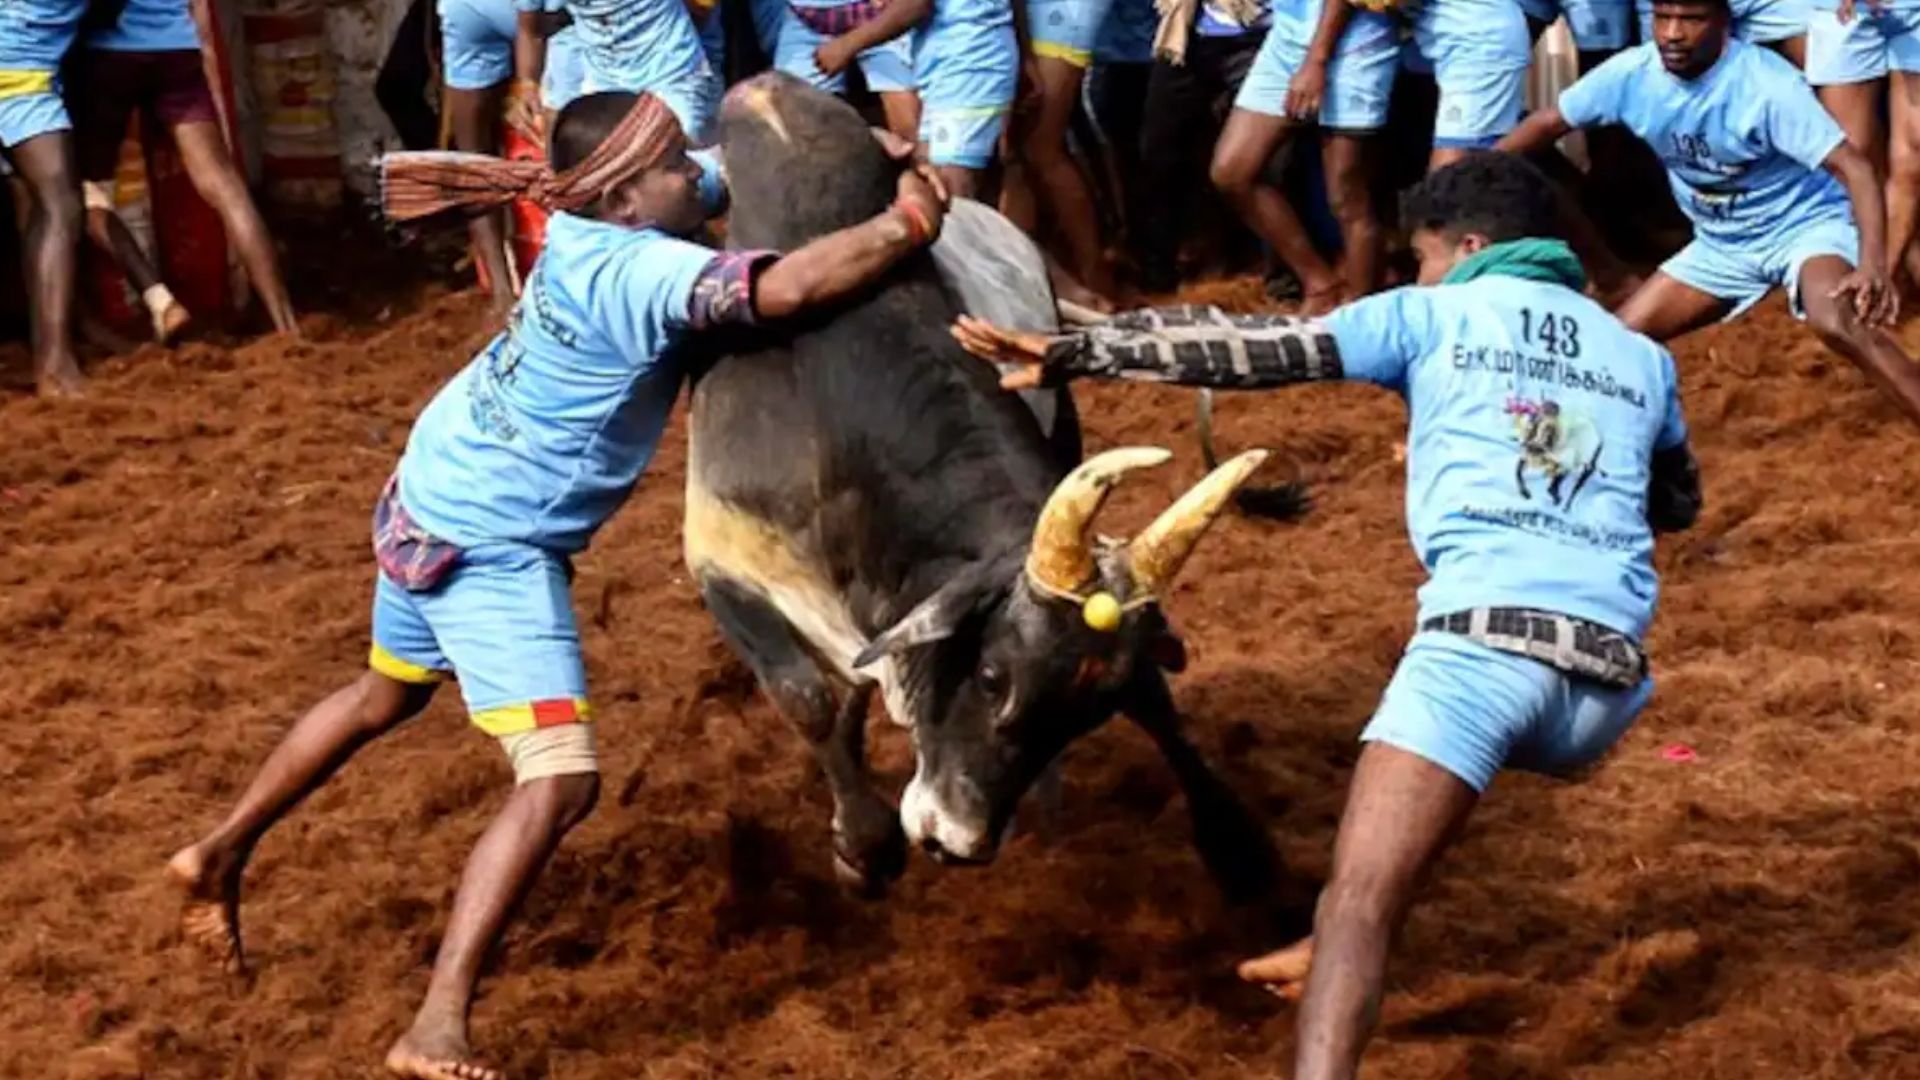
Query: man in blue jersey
(1777, 196)
(1545, 448)
(1856, 54)
(1323, 65)
(150, 60)
(508, 473)
(35, 136)
(966, 62)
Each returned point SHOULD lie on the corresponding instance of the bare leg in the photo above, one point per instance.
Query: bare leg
(1665, 308)
(1402, 811)
(1870, 348)
(111, 237)
(961, 181)
(1903, 171)
(209, 870)
(50, 243)
(1346, 162)
(902, 109)
(502, 868)
(1239, 158)
(475, 116)
(1058, 182)
(203, 150)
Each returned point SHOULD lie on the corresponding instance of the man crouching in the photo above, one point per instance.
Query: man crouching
(509, 472)
(1545, 447)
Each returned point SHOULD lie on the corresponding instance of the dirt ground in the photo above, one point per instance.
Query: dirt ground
(186, 568)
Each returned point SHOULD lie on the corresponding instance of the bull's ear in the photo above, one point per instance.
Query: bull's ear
(935, 618)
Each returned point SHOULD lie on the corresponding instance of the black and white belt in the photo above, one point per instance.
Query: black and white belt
(1577, 647)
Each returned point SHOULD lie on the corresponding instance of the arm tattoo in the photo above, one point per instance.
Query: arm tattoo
(1194, 345)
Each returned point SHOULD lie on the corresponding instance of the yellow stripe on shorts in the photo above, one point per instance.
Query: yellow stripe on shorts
(385, 663)
(17, 82)
(1077, 57)
(519, 719)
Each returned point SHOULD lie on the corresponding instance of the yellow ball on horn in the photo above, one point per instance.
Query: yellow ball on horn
(1102, 612)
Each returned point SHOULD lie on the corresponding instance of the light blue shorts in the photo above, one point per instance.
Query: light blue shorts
(476, 42)
(32, 114)
(1480, 101)
(694, 97)
(1472, 711)
(1596, 25)
(1863, 50)
(1066, 29)
(503, 624)
(1359, 85)
(888, 67)
(1744, 278)
(965, 97)
(966, 137)
(566, 70)
(1757, 22)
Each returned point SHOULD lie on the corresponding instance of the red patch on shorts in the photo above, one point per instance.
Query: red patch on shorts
(554, 713)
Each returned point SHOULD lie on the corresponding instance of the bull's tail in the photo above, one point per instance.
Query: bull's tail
(1281, 502)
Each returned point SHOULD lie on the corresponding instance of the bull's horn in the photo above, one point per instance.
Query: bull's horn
(1060, 561)
(1158, 553)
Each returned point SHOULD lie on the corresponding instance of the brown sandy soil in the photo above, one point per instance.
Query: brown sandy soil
(186, 568)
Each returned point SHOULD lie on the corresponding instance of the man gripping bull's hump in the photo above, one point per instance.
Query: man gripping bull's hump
(509, 472)
(867, 510)
(1545, 448)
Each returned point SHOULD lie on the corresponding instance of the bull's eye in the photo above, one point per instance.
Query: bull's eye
(992, 680)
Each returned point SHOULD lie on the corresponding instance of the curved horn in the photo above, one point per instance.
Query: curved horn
(1161, 549)
(1059, 560)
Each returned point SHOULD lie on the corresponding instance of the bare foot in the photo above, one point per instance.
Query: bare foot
(1282, 973)
(210, 917)
(168, 322)
(437, 1055)
(60, 379)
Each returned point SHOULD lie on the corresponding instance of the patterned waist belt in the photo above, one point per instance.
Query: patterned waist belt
(1573, 646)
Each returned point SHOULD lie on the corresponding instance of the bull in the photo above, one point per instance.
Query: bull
(866, 509)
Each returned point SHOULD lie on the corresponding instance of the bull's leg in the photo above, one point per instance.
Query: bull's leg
(1236, 848)
(870, 848)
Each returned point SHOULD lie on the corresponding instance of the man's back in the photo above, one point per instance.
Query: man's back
(1533, 416)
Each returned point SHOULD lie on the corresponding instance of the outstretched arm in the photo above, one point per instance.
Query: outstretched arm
(1189, 345)
(845, 262)
(1875, 301)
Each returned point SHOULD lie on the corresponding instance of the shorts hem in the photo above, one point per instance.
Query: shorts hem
(1411, 746)
(1465, 142)
(382, 662)
(521, 717)
(1074, 55)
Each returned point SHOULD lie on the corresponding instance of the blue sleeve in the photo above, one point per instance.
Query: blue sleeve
(1599, 96)
(1797, 125)
(1380, 337)
(651, 298)
(1673, 428)
(713, 180)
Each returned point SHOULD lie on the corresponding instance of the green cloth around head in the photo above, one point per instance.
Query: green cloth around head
(1533, 258)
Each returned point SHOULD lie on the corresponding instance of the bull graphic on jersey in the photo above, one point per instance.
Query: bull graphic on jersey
(1556, 445)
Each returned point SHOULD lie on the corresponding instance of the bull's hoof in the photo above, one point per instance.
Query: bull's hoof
(865, 866)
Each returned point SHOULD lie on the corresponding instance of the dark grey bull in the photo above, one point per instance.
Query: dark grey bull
(866, 508)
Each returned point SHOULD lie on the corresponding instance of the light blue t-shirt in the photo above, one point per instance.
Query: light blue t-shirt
(149, 26)
(35, 34)
(636, 45)
(544, 434)
(1532, 417)
(1481, 31)
(966, 54)
(1743, 143)
(1367, 31)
